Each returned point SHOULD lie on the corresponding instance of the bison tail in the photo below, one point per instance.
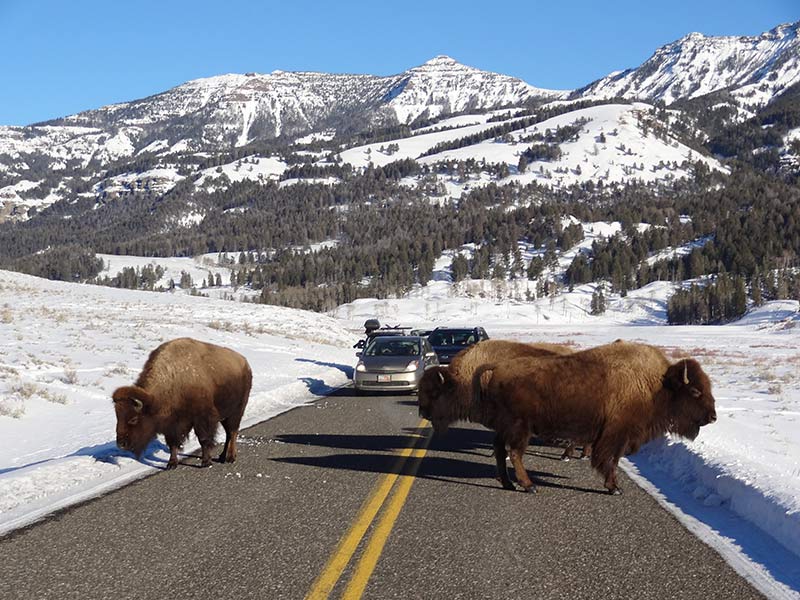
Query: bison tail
(480, 379)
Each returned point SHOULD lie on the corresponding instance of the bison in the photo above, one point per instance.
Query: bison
(185, 384)
(618, 397)
(445, 393)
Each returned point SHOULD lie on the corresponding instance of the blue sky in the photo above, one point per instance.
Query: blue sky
(58, 57)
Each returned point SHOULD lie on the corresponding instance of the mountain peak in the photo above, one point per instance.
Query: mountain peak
(441, 59)
(442, 62)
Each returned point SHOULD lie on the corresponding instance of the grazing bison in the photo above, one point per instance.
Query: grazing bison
(185, 385)
(445, 393)
(617, 396)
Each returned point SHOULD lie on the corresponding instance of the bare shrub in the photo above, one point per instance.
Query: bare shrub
(116, 369)
(25, 389)
(10, 407)
(70, 376)
(54, 397)
(221, 326)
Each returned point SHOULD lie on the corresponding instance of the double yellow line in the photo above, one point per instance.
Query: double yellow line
(327, 580)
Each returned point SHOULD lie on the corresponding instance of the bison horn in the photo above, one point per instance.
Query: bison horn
(686, 372)
(441, 376)
(137, 404)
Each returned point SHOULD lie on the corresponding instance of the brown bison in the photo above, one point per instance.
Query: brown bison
(185, 384)
(445, 393)
(618, 397)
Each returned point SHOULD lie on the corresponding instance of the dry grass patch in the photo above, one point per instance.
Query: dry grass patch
(70, 376)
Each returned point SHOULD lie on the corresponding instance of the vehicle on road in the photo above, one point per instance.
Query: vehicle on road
(449, 341)
(393, 363)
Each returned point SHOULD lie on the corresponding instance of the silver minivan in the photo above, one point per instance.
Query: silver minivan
(393, 363)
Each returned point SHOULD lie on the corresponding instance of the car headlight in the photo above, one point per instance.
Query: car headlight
(412, 366)
(360, 367)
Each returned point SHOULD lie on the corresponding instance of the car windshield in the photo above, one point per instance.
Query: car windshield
(452, 337)
(388, 346)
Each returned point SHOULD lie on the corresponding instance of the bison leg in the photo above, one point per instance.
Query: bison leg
(568, 451)
(228, 453)
(173, 456)
(586, 452)
(500, 456)
(231, 427)
(519, 469)
(205, 426)
(606, 453)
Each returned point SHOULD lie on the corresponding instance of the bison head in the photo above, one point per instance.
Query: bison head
(135, 423)
(691, 403)
(437, 396)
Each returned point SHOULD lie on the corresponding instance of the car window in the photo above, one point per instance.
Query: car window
(392, 347)
(463, 338)
(438, 338)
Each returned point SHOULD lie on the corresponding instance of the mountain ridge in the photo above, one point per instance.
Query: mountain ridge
(755, 68)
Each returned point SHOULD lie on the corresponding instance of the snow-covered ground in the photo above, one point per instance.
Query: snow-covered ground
(252, 168)
(159, 180)
(65, 347)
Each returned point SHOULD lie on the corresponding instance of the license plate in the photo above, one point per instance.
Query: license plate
(384, 378)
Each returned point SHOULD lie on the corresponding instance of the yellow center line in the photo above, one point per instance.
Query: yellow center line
(369, 559)
(323, 585)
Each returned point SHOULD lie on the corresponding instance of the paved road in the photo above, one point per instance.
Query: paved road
(277, 524)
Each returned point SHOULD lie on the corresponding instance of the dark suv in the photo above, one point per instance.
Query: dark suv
(449, 341)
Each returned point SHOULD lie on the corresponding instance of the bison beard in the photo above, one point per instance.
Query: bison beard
(617, 396)
(445, 393)
(185, 384)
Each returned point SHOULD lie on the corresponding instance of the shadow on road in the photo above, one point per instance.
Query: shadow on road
(346, 369)
(379, 456)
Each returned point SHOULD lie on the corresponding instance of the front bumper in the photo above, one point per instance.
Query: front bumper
(386, 382)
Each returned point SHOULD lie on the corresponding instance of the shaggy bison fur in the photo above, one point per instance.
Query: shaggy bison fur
(185, 384)
(445, 393)
(618, 397)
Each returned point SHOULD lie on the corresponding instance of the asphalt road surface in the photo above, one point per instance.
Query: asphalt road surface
(352, 497)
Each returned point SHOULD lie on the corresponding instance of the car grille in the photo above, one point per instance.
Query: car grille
(385, 383)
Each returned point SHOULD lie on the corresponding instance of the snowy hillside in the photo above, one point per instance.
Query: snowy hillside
(754, 68)
(615, 143)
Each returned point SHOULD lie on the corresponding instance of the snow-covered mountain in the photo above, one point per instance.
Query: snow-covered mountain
(232, 110)
(754, 68)
(153, 143)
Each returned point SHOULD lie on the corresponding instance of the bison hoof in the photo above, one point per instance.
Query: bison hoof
(615, 492)
(172, 465)
(565, 458)
(530, 489)
(506, 483)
